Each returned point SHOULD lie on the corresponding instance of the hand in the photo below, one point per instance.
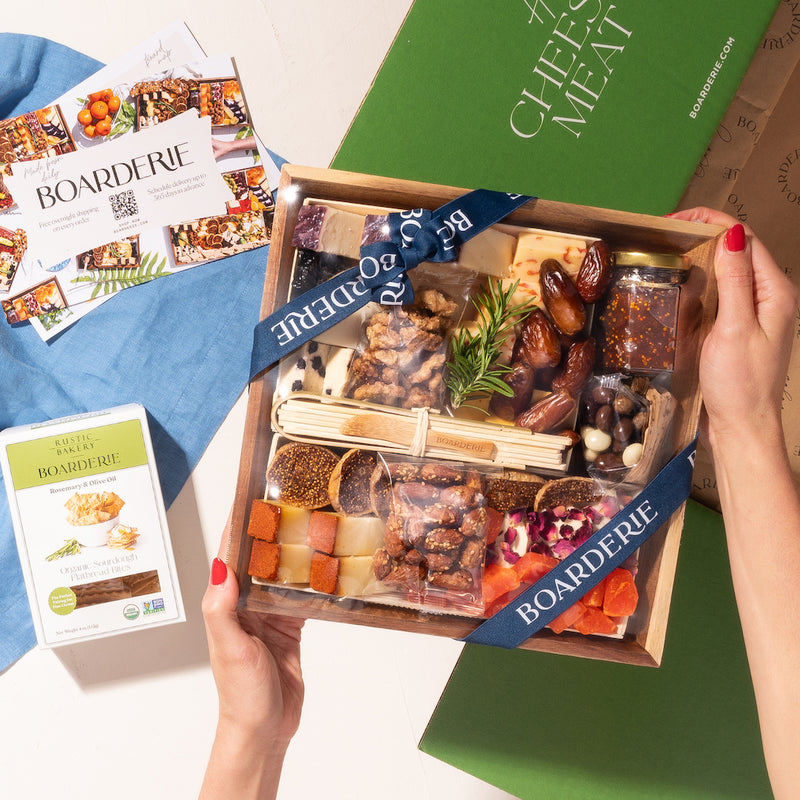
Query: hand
(744, 361)
(743, 368)
(255, 659)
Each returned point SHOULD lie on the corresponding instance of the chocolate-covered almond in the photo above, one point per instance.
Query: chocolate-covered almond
(606, 462)
(594, 275)
(538, 341)
(561, 299)
(548, 414)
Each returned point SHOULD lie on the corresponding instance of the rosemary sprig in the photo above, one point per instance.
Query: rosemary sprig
(71, 548)
(472, 371)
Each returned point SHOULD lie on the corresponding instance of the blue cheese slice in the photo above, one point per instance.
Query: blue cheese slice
(336, 369)
(304, 370)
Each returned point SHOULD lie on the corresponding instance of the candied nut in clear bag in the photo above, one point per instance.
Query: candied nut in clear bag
(435, 538)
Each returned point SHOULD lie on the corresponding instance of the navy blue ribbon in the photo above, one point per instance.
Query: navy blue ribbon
(415, 236)
(585, 567)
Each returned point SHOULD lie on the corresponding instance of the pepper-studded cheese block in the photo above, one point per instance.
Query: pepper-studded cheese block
(532, 250)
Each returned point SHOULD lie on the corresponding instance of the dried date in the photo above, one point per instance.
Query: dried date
(547, 414)
(520, 379)
(577, 368)
(539, 343)
(561, 298)
(594, 275)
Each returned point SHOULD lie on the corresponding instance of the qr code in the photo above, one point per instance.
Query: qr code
(123, 204)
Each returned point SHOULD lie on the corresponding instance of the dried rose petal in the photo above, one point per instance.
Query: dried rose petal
(563, 548)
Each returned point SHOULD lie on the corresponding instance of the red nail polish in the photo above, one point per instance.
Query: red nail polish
(735, 240)
(219, 571)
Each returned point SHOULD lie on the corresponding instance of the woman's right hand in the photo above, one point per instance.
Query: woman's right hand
(745, 357)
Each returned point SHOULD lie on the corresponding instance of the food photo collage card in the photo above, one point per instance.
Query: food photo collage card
(148, 168)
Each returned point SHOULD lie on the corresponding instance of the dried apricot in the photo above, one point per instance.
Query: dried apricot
(569, 618)
(497, 581)
(621, 597)
(532, 566)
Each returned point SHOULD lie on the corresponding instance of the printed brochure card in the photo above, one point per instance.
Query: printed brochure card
(90, 525)
(71, 202)
(147, 168)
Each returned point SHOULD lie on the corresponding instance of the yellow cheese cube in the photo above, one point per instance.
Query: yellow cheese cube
(490, 252)
(359, 536)
(356, 576)
(293, 526)
(294, 564)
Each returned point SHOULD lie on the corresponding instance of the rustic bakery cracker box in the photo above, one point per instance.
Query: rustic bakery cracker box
(90, 525)
(464, 408)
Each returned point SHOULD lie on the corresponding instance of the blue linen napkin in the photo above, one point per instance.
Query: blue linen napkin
(180, 346)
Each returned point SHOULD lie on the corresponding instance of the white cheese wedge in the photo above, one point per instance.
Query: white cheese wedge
(328, 230)
(294, 564)
(359, 536)
(341, 233)
(490, 252)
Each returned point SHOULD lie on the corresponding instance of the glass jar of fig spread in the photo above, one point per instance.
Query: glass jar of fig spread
(637, 325)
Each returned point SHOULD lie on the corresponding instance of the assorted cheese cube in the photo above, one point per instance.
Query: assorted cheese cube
(323, 550)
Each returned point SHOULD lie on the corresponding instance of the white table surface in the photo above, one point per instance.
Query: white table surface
(133, 716)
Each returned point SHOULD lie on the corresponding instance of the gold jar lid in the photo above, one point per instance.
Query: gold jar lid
(630, 258)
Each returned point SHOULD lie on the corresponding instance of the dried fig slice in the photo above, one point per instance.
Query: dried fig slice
(350, 483)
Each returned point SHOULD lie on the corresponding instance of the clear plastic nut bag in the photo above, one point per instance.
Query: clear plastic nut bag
(403, 349)
(614, 419)
(435, 537)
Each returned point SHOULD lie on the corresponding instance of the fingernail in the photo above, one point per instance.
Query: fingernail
(219, 571)
(735, 240)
